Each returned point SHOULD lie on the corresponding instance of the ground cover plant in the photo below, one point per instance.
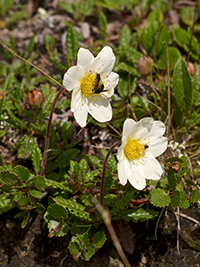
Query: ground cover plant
(101, 111)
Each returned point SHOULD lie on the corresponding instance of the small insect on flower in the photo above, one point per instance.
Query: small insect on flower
(99, 86)
(142, 141)
(92, 82)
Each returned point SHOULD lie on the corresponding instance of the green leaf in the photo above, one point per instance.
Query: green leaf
(175, 200)
(171, 179)
(147, 37)
(46, 107)
(79, 247)
(35, 193)
(184, 203)
(155, 15)
(2, 67)
(187, 15)
(99, 239)
(139, 215)
(49, 42)
(39, 182)
(75, 208)
(72, 43)
(25, 220)
(2, 133)
(67, 7)
(121, 202)
(5, 203)
(23, 200)
(5, 6)
(30, 47)
(162, 36)
(111, 163)
(159, 198)
(8, 177)
(174, 55)
(26, 147)
(14, 120)
(195, 196)
(126, 67)
(36, 158)
(39, 208)
(21, 172)
(124, 38)
(57, 211)
(102, 24)
(182, 86)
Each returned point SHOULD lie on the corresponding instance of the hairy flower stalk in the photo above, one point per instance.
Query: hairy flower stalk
(92, 82)
(141, 142)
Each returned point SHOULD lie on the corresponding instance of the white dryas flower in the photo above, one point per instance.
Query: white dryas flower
(92, 82)
(142, 141)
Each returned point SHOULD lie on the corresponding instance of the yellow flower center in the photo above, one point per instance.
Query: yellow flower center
(134, 149)
(88, 84)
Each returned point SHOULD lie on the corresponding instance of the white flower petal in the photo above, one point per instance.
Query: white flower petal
(81, 114)
(72, 77)
(110, 83)
(76, 100)
(149, 167)
(121, 166)
(128, 127)
(157, 130)
(120, 154)
(136, 179)
(104, 62)
(158, 146)
(85, 58)
(100, 109)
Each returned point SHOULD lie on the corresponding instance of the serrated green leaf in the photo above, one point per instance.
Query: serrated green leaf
(25, 220)
(126, 67)
(139, 215)
(99, 239)
(21, 172)
(6, 187)
(35, 193)
(111, 163)
(39, 182)
(121, 202)
(184, 203)
(39, 208)
(36, 158)
(182, 86)
(159, 198)
(57, 211)
(124, 38)
(46, 107)
(26, 147)
(8, 177)
(5, 203)
(75, 208)
(78, 247)
(23, 200)
(195, 196)
(2, 104)
(2, 67)
(175, 200)
(86, 199)
(72, 43)
(14, 120)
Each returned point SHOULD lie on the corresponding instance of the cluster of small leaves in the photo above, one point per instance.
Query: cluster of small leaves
(180, 181)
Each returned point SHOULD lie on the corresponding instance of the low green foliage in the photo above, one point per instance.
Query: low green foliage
(63, 193)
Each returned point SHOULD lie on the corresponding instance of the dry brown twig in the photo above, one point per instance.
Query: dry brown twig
(106, 217)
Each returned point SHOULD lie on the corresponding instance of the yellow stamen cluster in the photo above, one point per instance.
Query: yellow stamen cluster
(133, 149)
(88, 84)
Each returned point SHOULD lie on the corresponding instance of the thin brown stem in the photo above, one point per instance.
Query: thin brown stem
(44, 157)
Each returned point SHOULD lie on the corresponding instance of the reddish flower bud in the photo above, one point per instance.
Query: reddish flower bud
(34, 99)
(145, 65)
(191, 69)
